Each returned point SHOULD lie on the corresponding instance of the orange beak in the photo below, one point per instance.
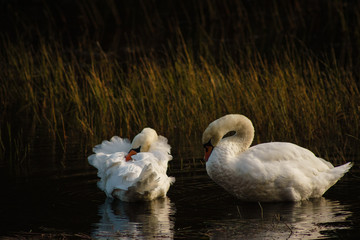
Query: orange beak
(128, 156)
(208, 150)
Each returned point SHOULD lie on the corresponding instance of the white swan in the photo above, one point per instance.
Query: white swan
(268, 172)
(136, 171)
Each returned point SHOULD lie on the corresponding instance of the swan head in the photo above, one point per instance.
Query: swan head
(211, 137)
(218, 128)
(142, 142)
(208, 149)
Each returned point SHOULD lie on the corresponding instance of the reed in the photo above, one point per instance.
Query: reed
(289, 92)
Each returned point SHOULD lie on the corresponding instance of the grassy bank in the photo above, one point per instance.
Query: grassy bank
(290, 91)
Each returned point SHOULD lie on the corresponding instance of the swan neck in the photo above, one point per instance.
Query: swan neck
(144, 139)
(244, 134)
(233, 122)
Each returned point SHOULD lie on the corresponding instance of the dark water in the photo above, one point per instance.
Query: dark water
(57, 197)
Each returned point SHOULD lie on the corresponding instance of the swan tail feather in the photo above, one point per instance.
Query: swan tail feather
(341, 170)
(334, 174)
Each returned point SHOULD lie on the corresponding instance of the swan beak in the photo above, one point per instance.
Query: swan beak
(208, 150)
(128, 156)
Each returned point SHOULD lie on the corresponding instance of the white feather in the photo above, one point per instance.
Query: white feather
(141, 179)
(276, 171)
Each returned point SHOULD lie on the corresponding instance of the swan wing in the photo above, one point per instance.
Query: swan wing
(283, 164)
(161, 150)
(120, 175)
(144, 173)
(116, 144)
(278, 157)
(277, 171)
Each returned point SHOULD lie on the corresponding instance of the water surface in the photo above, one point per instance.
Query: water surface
(56, 197)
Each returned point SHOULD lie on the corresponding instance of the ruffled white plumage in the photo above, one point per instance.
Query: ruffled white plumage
(275, 171)
(141, 179)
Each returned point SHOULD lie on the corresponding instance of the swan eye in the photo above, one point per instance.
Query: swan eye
(136, 149)
(208, 144)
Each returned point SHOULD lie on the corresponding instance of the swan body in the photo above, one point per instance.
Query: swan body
(133, 171)
(268, 172)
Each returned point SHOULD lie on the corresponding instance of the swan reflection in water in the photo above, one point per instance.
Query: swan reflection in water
(309, 219)
(142, 220)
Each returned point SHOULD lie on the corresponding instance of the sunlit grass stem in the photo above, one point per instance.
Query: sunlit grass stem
(290, 93)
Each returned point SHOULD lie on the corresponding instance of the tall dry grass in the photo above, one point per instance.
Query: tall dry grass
(289, 92)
